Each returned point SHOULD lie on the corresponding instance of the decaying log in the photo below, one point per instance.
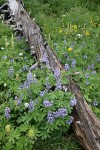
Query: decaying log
(86, 126)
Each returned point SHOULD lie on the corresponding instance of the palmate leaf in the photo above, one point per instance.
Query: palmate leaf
(23, 128)
(14, 135)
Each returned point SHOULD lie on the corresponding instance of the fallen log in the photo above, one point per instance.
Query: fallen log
(86, 126)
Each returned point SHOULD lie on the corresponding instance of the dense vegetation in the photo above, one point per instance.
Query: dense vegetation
(72, 29)
(34, 110)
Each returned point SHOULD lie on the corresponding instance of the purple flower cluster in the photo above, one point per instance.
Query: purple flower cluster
(42, 93)
(45, 59)
(73, 102)
(73, 63)
(95, 103)
(31, 106)
(30, 80)
(90, 67)
(66, 67)
(7, 112)
(87, 76)
(57, 73)
(26, 85)
(61, 112)
(58, 84)
(21, 86)
(30, 77)
(11, 71)
(25, 68)
(47, 103)
(70, 121)
(48, 86)
(19, 100)
(50, 117)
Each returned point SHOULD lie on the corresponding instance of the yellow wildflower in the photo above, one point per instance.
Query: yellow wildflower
(69, 49)
(90, 87)
(31, 133)
(75, 28)
(7, 128)
(87, 33)
(60, 31)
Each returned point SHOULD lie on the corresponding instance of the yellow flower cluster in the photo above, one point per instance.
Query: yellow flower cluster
(75, 28)
(69, 49)
(31, 133)
(7, 128)
(87, 33)
(60, 31)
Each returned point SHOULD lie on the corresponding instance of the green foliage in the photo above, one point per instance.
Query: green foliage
(32, 106)
(72, 29)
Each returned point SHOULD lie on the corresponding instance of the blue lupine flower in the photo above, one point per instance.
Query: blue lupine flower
(11, 71)
(70, 121)
(61, 112)
(48, 86)
(73, 63)
(58, 84)
(31, 105)
(25, 68)
(73, 102)
(90, 66)
(30, 77)
(57, 73)
(42, 93)
(95, 103)
(45, 59)
(47, 103)
(66, 67)
(21, 86)
(50, 117)
(87, 76)
(18, 100)
(7, 112)
(26, 85)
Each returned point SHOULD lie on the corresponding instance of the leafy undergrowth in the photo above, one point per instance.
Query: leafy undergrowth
(72, 29)
(33, 106)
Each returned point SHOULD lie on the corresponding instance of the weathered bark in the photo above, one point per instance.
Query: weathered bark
(86, 126)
